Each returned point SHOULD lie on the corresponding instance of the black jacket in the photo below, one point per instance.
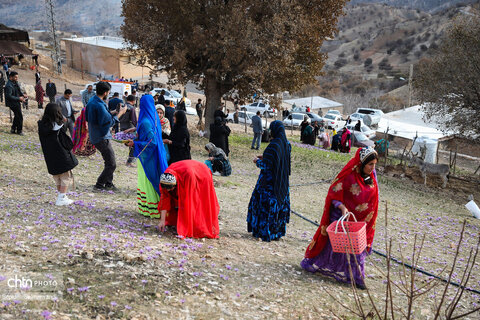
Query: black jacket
(51, 89)
(161, 99)
(169, 111)
(12, 94)
(58, 157)
(180, 147)
(219, 136)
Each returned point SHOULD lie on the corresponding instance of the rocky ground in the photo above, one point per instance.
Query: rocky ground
(115, 264)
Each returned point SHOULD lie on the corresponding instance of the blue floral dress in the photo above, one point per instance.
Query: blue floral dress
(267, 217)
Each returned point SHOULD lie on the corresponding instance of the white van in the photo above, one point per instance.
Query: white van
(117, 86)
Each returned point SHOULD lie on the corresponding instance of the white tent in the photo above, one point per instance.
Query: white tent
(315, 102)
(409, 122)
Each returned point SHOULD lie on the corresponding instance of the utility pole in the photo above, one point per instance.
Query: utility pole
(410, 86)
(55, 54)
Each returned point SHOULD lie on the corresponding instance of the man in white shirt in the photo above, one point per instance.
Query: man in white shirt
(67, 110)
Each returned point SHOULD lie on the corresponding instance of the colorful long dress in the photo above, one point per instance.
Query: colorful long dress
(151, 161)
(269, 207)
(147, 197)
(349, 189)
(81, 142)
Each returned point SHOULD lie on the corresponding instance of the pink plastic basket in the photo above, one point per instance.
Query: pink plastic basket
(340, 239)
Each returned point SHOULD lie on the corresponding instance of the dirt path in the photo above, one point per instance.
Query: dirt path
(115, 264)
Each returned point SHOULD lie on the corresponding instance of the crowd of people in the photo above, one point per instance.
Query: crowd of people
(179, 191)
(340, 141)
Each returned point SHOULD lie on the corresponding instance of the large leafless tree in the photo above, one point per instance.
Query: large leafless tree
(246, 45)
(448, 84)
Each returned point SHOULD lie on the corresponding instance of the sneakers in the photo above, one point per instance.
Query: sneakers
(111, 187)
(64, 201)
(98, 187)
(107, 187)
(20, 133)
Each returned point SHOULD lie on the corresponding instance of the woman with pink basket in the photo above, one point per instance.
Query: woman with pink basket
(354, 190)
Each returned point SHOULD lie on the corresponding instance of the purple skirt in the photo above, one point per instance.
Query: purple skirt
(334, 264)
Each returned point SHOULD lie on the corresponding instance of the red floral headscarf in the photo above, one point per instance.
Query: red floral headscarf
(360, 198)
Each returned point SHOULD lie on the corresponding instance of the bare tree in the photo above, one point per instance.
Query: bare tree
(449, 83)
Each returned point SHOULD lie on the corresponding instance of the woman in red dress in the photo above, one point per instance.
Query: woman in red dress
(354, 190)
(188, 200)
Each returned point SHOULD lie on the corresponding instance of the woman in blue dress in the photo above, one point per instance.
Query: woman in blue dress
(269, 207)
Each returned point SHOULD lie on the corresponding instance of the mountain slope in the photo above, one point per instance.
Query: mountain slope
(85, 17)
(423, 5)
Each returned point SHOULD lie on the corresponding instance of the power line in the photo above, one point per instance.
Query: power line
(55, 53)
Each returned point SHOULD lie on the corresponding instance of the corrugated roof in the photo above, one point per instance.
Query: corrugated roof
(101, 41)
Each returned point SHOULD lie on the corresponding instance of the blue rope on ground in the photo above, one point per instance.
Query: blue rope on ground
(399, 261)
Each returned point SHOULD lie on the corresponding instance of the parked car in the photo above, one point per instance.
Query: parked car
(336, 112)
(171, 95)
(314, 117)
(264, 109)
(294, 120)
(363, 129)
(117, 86)
(360, 140)
(190, 110)
(241, 118)
(333, 121)
(356, 116)
(372, 116)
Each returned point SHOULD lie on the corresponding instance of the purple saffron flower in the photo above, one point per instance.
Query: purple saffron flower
(46, 314)
(113, 304)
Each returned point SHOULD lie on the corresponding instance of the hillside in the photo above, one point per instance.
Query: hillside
(85, 17)
(373, 50)
(423, 5)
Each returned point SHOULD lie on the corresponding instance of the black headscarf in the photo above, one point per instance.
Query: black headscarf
(181, 120)
(180, 137)
(277, 159)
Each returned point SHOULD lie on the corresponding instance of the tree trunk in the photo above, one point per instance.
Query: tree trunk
(213, 96)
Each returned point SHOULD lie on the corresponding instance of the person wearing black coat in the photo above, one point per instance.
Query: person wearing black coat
(51, 90)
(161, 98)
(169, 112)
(57, 150)
(13, 99)
(179, 141)
(303, 125)
(219, 133)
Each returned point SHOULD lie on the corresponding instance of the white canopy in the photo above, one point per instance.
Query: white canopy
(315, 102)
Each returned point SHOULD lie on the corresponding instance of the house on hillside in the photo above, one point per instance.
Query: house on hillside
(14, 42)
(315, 103)
(102, 55)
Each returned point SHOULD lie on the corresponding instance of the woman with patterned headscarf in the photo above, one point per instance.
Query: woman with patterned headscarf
(269, 207)
(354, 190)
(151, 158)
